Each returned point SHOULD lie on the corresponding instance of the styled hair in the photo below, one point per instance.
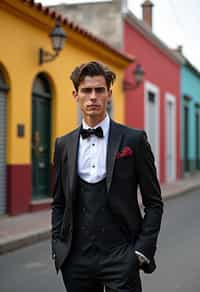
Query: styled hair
(93, 68)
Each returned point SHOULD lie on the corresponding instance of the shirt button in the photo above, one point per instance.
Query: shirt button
(93, 144)
(93, 166)
(103, 229)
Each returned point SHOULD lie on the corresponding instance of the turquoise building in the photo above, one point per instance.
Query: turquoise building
(190, 118)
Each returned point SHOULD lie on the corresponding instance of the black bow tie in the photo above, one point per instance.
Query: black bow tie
(85, 133)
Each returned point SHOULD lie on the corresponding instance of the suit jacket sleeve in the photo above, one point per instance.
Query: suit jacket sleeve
(151, 198)
(58, 204)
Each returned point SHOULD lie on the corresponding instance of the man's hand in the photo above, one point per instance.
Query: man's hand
(141, 258)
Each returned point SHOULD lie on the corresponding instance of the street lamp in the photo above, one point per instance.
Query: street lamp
(58, 37)
(138, 74)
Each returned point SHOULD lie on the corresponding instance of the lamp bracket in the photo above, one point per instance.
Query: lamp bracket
(45, 56)
(130, 86)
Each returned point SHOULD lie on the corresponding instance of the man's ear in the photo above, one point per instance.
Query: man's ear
(110, 94)
(75, 95)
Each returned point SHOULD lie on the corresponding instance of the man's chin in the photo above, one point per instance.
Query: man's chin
(94, 113)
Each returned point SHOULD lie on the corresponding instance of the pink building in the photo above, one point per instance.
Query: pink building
(155, 104)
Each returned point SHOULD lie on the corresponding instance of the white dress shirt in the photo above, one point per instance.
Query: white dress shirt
(92, 153)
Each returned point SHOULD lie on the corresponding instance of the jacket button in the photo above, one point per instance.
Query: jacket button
(93, 237)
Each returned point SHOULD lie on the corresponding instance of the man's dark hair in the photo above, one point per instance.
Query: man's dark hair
(91, 69)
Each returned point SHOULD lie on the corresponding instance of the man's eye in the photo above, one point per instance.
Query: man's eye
(86, 90)
(100, 89)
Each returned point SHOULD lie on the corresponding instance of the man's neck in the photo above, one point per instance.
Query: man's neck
(92, 121)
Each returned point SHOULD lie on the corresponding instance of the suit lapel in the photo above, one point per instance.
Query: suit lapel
(72, 159)
(114, 141)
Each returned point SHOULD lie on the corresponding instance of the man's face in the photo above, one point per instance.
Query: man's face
(93, 96)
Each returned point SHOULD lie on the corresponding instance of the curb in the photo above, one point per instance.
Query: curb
(25, 239)
(182, 193)
(15, 242)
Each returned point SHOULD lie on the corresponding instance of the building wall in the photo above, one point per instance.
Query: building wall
(27, 30)
(190, 88)
(102, 19)
(162, 72)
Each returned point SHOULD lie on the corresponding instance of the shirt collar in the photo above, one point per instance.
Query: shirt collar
(105, 125)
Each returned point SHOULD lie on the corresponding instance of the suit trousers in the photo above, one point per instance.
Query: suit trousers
(95, 269)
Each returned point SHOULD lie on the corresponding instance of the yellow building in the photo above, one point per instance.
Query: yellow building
(36, 104)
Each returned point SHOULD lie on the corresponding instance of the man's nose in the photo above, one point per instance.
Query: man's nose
(93, 94)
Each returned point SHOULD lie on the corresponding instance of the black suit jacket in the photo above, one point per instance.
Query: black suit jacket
(124, 175)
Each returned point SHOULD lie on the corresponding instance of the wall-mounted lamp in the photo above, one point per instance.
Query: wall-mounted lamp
(138, 74)
(58, 37)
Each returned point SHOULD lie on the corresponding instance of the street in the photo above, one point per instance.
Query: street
(178, 257)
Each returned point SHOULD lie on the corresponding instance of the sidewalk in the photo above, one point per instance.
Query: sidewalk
(22, 230)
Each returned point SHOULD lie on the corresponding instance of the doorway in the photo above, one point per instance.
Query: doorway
(197, 145)
(170, 137)
(152, 120)
(3, 137)
(41, 137)
(186, 139)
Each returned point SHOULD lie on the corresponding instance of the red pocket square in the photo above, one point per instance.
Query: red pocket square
(127, 151)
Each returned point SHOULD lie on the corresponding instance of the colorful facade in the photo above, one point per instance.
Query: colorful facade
(36, 103)
(190, 118)
(155, 104)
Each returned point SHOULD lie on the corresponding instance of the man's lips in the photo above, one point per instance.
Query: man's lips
(94, 106)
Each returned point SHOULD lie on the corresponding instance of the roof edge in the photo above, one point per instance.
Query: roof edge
(46, 11)
(146, 31)
(192, 67)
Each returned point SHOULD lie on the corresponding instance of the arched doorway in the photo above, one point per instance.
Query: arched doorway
(41, 136)
(3, 111)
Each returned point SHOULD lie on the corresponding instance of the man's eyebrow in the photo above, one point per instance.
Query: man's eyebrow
(100, 86)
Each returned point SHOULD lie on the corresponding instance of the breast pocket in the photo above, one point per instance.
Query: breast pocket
(124, 167)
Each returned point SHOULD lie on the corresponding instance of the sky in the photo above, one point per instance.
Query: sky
(176, 22)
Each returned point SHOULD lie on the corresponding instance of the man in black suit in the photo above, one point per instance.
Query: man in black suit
(99, 236)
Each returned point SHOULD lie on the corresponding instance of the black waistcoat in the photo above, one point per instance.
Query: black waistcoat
(94, 223)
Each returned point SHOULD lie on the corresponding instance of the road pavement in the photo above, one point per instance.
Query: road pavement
(178, 257)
